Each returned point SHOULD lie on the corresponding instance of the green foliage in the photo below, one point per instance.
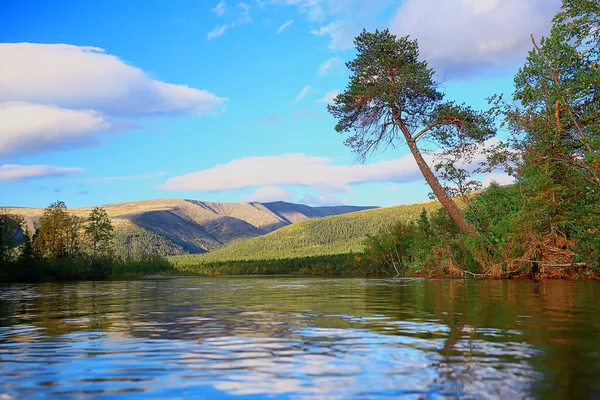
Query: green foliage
(99, 233)
(328, 265)
(392, 97)
(431, 245)
(9, 229)
(555, 143)
(388, 84)
(58, 233)
(493, 211)
(63, 249)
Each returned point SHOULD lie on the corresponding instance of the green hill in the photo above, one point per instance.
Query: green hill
(340, 234)
(181, 226)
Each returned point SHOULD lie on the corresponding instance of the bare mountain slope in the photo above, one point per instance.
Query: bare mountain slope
(177, 226)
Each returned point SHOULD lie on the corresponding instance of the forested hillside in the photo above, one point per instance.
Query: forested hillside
(338, 234)
(177, 226)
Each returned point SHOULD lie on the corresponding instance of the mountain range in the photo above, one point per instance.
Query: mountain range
(180, 226)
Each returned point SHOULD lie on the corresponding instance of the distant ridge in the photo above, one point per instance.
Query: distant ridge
(180, 226)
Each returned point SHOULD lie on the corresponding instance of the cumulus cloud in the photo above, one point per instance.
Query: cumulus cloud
(58, 95)
(16, 173)
(303, 170)
(459, 37)
(322, 200)
(33, 128)
(269, 193)
(330, 65)
(220, 8)
(462, 36)
(305, 90)
(294, 169)
(86, 78)
(329, 96)
(285, 25)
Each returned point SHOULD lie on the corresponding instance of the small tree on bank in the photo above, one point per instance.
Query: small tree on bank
(58, 233)
(392, 97)
(99, 233)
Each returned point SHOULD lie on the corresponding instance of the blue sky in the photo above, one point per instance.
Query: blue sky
(111, 101)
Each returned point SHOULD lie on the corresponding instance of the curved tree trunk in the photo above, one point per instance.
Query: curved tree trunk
(455, 213)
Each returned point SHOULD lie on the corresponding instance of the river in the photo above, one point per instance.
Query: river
(300, 338)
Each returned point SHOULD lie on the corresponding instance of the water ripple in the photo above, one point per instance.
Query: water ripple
(300, 339)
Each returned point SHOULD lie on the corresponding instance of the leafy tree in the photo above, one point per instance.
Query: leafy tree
(555, 125)
(99, 232)
(392, 97)
(9, 229)
(58, 233)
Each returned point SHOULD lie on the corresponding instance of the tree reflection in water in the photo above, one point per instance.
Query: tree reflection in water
(302, 338)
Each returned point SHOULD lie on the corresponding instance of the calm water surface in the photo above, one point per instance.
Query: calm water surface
(281, 338)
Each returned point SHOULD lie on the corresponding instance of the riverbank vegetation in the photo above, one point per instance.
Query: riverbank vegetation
(65, 247)
(547, 222)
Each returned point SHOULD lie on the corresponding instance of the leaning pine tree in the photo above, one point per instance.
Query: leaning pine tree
(393, 98)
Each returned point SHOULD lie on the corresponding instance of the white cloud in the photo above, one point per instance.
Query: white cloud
(340, 39)
(294, 169)
(15, 172)
(499, 178)
(217, 32)
(220, 8)
(329, 96)
(303, 170)
(245, 14)
(267, 194)
(243, 18)
(285, 25)
(56, 95)
(460, 36)
(313, 9)
(305, 90)
(330, 65)
(457, 36)
(323, 200)
(86, 78)
(33, 128)
(341, 20)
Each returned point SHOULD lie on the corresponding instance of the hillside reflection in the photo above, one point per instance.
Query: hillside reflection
(303, 337)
